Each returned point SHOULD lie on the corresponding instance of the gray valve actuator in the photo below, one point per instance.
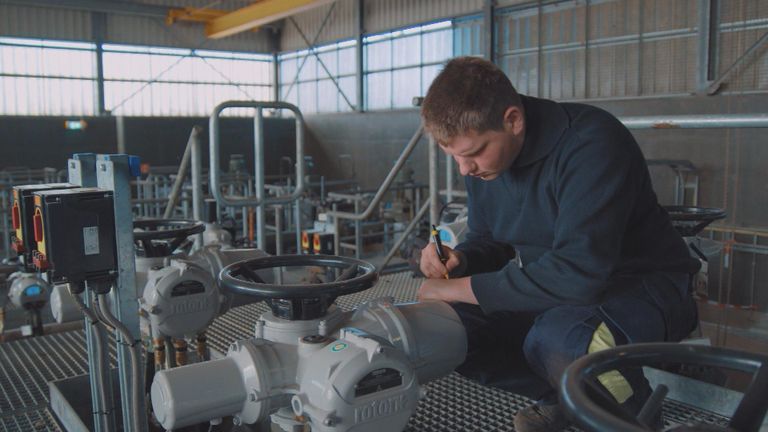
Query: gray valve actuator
(346, 371)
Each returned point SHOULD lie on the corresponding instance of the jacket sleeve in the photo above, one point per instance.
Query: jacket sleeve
(481, 253)
(598, 176)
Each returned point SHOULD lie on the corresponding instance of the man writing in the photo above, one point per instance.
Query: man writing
(564, 189)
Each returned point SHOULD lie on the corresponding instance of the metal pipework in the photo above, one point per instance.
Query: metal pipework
(697, 121)
(197, 183)
(434, 183)
(379, 193)
(215, 170)
(182, 174)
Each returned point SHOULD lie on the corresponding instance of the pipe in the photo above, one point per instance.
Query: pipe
(50, 328)
(182, 174)
(215, 162)
(385, 185)
(336, 215)
(197, 183)
(709, 121)
(434, 182)
(406, 232)
(135, 345)
(103, 389)
(258, 174)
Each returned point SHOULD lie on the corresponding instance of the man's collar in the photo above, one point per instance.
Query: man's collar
(545, 122)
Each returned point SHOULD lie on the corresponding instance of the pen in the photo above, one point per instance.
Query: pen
(439, 247)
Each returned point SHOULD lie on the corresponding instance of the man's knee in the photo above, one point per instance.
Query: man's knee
(558, 337)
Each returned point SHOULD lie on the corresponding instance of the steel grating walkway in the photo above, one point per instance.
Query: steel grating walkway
(453, 403)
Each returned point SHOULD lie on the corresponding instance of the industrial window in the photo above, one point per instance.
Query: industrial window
(147, 81)
(402, 64)
(43, 77)
(307, 83)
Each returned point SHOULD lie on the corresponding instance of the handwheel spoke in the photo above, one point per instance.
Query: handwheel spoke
(348, 273)
(168, 233)
(250, 274)
(752, 408)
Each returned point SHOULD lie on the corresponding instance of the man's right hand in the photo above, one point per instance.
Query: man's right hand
(430, 263)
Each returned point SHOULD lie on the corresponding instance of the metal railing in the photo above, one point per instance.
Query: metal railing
(373, 204)
(260, 200)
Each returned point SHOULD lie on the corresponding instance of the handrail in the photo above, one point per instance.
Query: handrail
(338, 215)
(713, 121)
(419, 215)
(215, 169)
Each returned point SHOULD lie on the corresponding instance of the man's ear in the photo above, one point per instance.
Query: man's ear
(514, 120)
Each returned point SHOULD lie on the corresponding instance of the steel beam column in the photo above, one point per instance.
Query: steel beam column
(99, 28)
(359, 53)
(489, 30)
(434, 182)
(113, 173)
(708, 23)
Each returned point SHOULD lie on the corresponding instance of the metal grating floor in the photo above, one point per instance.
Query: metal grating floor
(453, 403)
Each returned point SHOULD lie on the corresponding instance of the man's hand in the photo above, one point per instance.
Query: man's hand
(431, 266)
(451, 291)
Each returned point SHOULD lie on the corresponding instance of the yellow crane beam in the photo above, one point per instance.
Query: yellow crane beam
(257, 14)
(193, 14)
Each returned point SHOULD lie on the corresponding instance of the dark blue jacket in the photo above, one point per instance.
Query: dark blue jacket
(578, 206)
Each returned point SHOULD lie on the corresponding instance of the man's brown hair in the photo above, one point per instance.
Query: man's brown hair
(469, 94)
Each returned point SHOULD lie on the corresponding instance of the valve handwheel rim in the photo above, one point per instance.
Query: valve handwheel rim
(356, 275)
(183, 228)
(591, 416)
(176, 233)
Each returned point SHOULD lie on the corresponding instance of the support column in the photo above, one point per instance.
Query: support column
(434, 182)
(489, 31)
(359, 54)
(99, 28)
(707, 35)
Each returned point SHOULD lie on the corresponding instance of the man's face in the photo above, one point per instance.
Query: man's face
(488, 154)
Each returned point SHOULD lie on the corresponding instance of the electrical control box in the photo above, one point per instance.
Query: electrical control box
(75, 234)
(22, 210)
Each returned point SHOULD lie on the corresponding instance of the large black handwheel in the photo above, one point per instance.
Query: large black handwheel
(299, 301)
(588, 414)
(160, 237)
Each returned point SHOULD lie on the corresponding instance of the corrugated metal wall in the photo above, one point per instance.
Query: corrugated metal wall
(42, 23)
(341, 24)
(742, 23)
(580, 49)
(379, 15)
(575, 49)
(65, 24)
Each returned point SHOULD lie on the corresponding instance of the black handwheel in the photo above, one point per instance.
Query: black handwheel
(574, 384)
(689, 221)
(299, 301)
(160, 237)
